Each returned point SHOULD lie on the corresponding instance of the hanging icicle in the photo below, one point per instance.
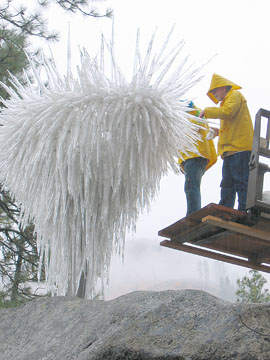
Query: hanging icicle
(84, 155)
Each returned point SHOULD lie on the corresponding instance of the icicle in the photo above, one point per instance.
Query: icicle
(69, 54)
(85, 156)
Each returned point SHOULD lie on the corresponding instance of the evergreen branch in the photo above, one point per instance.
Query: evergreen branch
(74, 6)
(15, 252)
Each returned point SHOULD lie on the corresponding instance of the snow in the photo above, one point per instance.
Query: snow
(84, 154)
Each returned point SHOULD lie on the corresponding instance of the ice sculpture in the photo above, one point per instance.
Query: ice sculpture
(84, 154)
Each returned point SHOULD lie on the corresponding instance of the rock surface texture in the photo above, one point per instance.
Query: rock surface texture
(171, 325)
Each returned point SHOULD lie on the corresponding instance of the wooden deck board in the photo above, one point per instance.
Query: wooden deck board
(236, 227)
(196, 218)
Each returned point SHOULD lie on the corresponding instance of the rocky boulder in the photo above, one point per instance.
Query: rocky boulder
(182, 325)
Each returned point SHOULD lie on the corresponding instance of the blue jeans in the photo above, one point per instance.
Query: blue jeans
(235, 172)
(194, 170)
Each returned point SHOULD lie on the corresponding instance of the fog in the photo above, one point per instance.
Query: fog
(148, 266)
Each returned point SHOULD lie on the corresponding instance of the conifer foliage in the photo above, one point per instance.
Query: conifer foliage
(251, 288)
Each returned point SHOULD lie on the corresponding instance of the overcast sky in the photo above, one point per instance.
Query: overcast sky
(236, 35)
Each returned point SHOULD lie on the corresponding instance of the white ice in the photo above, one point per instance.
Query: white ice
(84, 154)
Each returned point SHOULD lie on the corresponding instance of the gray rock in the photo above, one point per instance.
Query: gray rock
(182, 325)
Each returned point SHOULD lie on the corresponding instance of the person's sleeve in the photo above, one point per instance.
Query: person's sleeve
(227, 110)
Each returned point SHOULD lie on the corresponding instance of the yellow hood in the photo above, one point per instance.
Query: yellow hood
(219, 81)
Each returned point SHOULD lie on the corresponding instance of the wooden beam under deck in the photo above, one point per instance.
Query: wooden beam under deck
(215, 256)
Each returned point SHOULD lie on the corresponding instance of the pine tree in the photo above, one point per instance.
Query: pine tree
(250, 288)
(12, 56)
(34, 23)
(19, 257)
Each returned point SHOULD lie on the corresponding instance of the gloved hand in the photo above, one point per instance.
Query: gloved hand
(211, 134)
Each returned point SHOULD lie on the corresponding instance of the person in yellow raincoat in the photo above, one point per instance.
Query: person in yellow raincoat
(194, 165)
(235, 138)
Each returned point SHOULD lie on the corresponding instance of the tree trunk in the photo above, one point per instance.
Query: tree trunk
(17, 275)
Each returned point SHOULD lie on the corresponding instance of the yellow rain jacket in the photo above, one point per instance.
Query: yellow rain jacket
(206, 148)
(236, 128)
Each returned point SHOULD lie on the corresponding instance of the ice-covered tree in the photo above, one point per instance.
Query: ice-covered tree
(89, 152)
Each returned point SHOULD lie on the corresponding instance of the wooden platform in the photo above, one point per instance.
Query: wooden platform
(224, 234)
